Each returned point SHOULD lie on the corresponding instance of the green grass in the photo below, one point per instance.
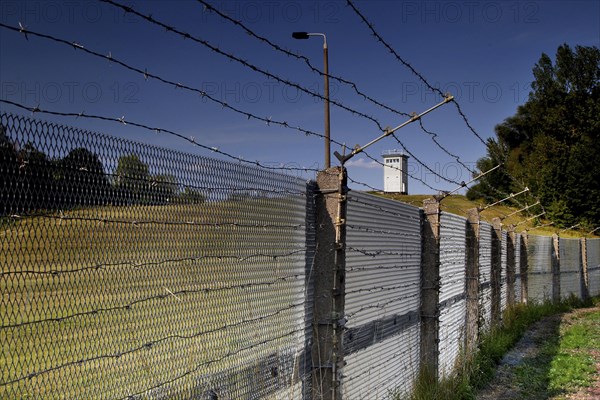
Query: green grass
(187, 277)
(473, 374)
(564, 362)
(458, 204)
(574, 365)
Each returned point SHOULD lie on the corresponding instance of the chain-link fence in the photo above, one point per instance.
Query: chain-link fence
(540, 268)
(130, 271)
(570, 268)
(383, 282)
(452, 297)
(485, 276)
(593, 266)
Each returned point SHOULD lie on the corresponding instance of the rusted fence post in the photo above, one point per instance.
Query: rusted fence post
(510, 266)
(472, 281)
(585, 288)
(496, 270)
(555, 268)
(329, 284)
(430, 288)
(524, 267)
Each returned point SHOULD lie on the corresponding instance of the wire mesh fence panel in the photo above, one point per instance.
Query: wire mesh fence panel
(517, 268)
(131, 271)
(485, 275)
(503, 273)
(452, 289)
(570, 268)
(383, 279)
(593, 260)
(539, 273)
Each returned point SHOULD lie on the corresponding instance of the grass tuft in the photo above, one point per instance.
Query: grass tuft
(472, 374)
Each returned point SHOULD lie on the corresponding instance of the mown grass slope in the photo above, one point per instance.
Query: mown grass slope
(458, 204)
(108, 302)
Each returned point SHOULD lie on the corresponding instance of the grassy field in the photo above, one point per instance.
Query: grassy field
(566, 362)
(458, 204)
(109, 302)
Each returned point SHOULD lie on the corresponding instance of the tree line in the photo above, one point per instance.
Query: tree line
(552, 143)
(30, 180)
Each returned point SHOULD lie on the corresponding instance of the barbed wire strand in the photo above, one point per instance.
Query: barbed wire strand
(130, 305)
(152, 343)
(147, 75)
(380, 39)
(306, 60)
(185, 35)
(139, 222)
(122, 120)
(411, 68)
(245, 63)
(278, 48)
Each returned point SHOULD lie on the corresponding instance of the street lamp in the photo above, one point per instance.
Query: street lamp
(306, 35)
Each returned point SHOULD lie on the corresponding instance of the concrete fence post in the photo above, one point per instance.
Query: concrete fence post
(496, 270)
(510, 265)
(524, 267)
(472, 281)
(329, 284)
(585, 288)
(555, 268)
(430, 287)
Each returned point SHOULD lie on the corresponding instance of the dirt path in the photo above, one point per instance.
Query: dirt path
(511, 379)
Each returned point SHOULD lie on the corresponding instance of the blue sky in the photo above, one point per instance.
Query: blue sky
(482, 52)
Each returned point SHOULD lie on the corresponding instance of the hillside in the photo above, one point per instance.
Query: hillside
(458, 204)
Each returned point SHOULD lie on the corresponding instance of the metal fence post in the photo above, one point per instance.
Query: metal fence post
(329, 284)
(496, 270)
(585, 288)
(430, 288)
(524, 267)
(472, 281)
(555, 268)
(510, 266)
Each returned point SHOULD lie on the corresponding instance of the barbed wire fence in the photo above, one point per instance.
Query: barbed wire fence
(132, 271)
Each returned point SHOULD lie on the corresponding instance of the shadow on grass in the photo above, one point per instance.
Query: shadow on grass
(532, 374)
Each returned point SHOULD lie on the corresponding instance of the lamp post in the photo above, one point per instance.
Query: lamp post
(306, 35)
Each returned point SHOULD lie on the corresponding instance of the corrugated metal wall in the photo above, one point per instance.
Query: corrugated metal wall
(503, 281)
(570, 267)
(485, 273)
(539, 253)
(518, 268)
(452, 289)
(383, 283)
(593, 259)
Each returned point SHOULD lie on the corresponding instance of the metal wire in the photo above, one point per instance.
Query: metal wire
(570, 268)
(179, 85)
(593, 260)
(380, 39)
(230, 56)
(131, 271)
(382, 296)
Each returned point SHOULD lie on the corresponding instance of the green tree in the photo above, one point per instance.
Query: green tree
(34, 184)
(132, 180)
(552, 143)
(164, 188)
(191, 196)
(80, 179)
(8, 173)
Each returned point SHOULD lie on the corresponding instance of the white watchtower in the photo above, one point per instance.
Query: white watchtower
(395, 172)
